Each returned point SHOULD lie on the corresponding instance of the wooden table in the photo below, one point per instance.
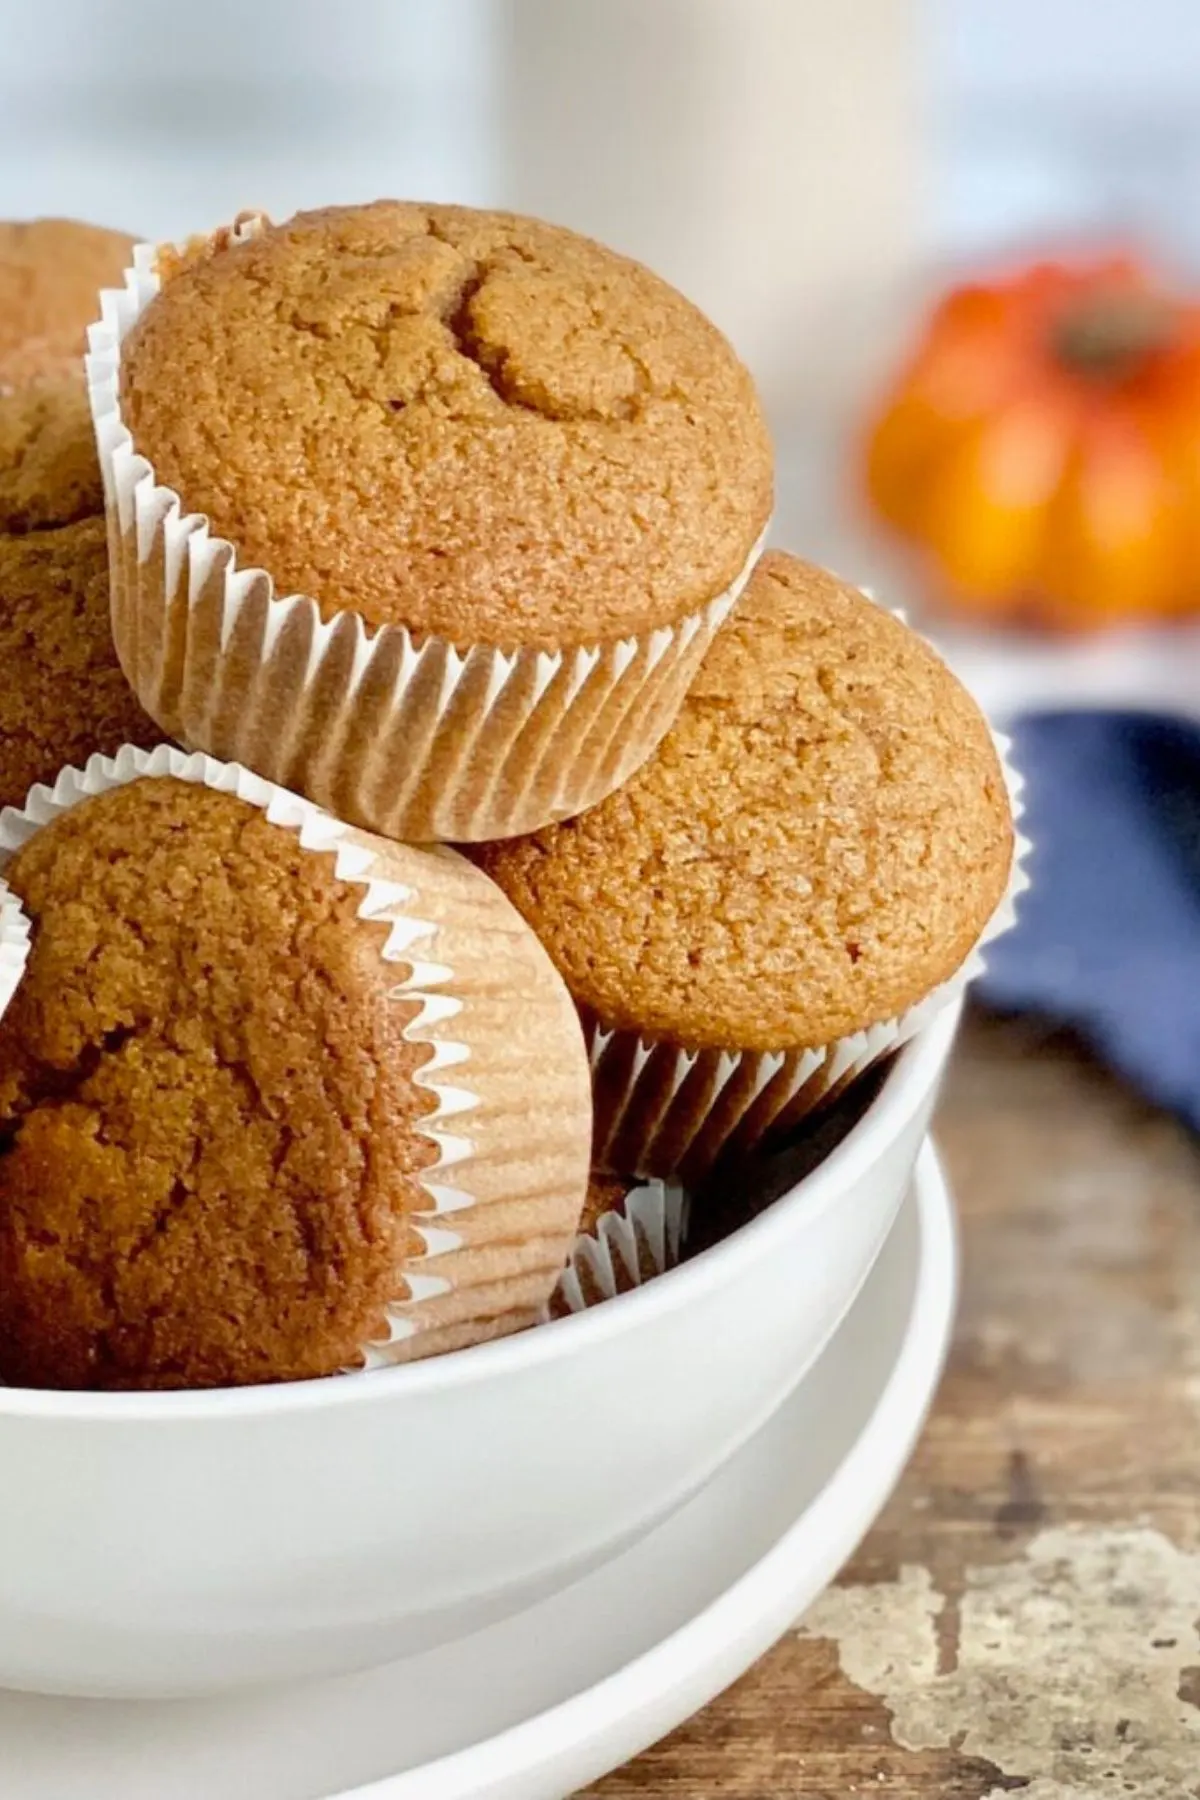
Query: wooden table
(1024, 1617)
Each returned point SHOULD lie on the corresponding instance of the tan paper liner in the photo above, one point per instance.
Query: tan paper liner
(662, 1110)
(423, 741)
(629, 1246)
(510, 1126)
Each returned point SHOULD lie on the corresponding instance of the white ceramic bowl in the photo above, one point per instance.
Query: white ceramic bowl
(156, 1544)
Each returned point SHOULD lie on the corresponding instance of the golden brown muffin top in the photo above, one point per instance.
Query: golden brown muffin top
(38, 360)
(814, 847)
(51, 273)
(208, 1143)
(469, 423)
(62, 693)
(49, 472)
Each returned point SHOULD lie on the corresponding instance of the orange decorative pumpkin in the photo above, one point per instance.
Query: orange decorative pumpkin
(1043, 447)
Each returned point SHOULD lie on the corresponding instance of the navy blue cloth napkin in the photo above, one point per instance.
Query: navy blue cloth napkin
(1108, 937)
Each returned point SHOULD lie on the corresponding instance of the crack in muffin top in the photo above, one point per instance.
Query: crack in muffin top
(210, 1143)
(479, 426)
(814, 847)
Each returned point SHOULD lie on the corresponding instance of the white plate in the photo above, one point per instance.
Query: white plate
(542, 1704)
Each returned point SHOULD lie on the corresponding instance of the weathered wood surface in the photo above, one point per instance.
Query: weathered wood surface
(1024, 1617)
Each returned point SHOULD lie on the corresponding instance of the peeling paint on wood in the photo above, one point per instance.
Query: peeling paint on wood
(1053, 1508)
(1068, 1666)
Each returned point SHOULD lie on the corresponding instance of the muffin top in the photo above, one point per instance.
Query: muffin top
(51, 273)
(49, 472)
(207, 1104)
(62, 692)
(815, 846)
(468, 423)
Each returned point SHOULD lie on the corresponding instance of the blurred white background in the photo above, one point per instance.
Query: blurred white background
(1052, 116)
(803, 168)
(763, 154)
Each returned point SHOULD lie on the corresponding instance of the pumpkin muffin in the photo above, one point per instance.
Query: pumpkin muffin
(629, 1232)
(511, 481)
(62, 693)
(49, 473)
(225, 1138)
(812, 854)
(51, 273)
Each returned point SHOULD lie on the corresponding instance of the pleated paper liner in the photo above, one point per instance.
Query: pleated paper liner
(634, 1241)
(14, 945)
(668, 1111)
(738, 1193)
(427, 741)
(507, 1123)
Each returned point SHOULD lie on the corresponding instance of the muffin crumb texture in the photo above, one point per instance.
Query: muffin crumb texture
(51, 274)
(605, 1194)
(209, 1127)
(64, 695)
(49, 471)
(815, 846)
(469, 423)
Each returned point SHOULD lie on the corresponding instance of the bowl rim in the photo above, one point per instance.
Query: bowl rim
(907, 1083)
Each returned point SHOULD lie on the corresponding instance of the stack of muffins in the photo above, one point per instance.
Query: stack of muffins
(423, 526)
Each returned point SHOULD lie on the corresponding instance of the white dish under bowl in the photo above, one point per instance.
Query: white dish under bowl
(534, 1708)
(160, 1544)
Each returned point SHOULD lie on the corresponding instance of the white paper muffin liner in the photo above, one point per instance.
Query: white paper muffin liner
(628, 1246)
(424, 740)
(14, 947)
(14, 944)
(664, 1110)
(505, 1185)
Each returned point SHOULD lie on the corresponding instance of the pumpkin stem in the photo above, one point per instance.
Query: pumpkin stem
(1108, 335)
